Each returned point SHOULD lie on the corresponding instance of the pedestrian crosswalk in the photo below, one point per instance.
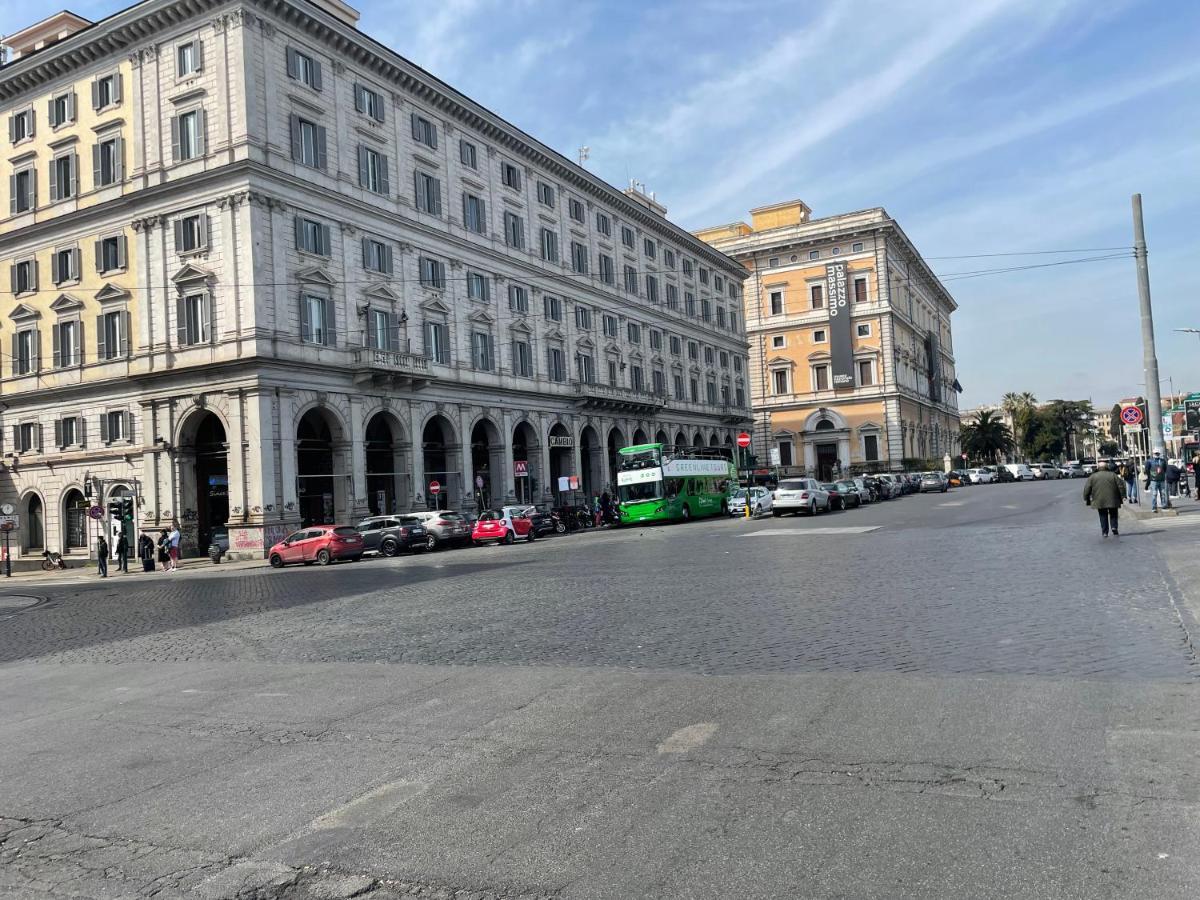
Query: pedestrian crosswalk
(805, 532)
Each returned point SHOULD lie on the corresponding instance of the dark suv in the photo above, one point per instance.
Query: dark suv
(389, 535)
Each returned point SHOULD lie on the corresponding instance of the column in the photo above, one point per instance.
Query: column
(286, 460)
(418, 457)
(844, 453)
(468, 471)
(505, 477)
(235, 459)
(261, 452)
(358, 501)
(547, 489)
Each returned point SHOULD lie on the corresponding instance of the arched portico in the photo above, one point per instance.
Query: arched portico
(322, 468)
(74, 518)
(387, 465)
(439, 446)
(487, 462)
(616, 440)
(203, 469)
(33, 523)
(562, 460)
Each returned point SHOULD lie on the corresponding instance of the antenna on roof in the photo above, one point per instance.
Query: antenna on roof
(584, 154)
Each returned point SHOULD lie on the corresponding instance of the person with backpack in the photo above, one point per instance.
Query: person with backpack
(1156, 481)
(1172, 479)
(1104, 492)
(1129, 475)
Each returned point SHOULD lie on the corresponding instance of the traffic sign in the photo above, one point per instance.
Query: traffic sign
(435, 488)
(9, 523)
(1131, 415)
(96, 512)
(520, 468)
(743, 440)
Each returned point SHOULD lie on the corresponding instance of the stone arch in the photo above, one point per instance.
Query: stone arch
(698, 440)
(386, 461)
(322, 466)
(32, 509)
(681, 439)
(526, 450)
(562, 459)
(440, 461)
(639, 437)
(825, 414)
(487, 462)
(660, 436)
(614, 442)
(202, 468)
(73, 507)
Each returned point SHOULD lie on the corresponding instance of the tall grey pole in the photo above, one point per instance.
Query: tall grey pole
(1149, 359)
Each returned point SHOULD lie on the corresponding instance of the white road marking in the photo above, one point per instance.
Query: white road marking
(778, 532)
(1009, 506)
(267, 694)
(952, 503)
(688, 738)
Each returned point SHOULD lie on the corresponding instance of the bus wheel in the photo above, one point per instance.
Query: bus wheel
(685, 513)
(724, 508)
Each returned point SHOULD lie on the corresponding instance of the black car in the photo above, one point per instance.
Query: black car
(878, 491)
(1003, 474)
(843, 494)
(389, 535)
(542, 519)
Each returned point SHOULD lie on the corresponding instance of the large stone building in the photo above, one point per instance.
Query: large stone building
(851, 354)
(264, 271)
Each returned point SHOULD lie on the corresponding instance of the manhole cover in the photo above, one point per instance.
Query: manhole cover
(17, 602)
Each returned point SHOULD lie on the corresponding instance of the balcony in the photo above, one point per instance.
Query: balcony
(391, 368)
(735, 415)
(591, 395)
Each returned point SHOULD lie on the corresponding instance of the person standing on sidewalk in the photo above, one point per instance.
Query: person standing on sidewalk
(102, 557)
(1104, 492)
(1172, 479)
(146, 552)
(1129, 476)
(123, 552)
(173, 540)
(1156, 481)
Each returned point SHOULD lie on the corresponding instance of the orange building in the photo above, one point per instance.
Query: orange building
(851, 354)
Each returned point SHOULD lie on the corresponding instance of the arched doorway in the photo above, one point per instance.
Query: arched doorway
(562, 461)
(438, 444)
(74, 518)
(590, 454)
(681, 441)
(727, 450)
(698, 441)
(34, 520)
(639, 437)
(526, 474)
(826, 449)
(317, 483)
(616, 440)
(387, 473)
(205, 490)
(487, 463)
(660, 436)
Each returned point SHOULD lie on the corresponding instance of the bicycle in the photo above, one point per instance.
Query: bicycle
(52, 561)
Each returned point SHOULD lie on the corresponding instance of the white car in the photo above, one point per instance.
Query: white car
(761, 501)
(1020, 471)
(980, 476)
(1072, 470)
(1044, 471)
(797, 495)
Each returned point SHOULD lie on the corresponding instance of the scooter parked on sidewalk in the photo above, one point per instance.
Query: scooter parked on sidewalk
(52, 560)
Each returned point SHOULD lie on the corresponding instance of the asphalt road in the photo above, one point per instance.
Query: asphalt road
(959, 695)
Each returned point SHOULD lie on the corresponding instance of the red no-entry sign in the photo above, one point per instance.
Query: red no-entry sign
(435, 488)
(743, 440)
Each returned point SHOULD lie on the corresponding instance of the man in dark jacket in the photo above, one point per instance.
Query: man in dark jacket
(1104, 492)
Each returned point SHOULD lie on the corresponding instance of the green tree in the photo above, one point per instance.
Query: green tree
(987, 437)
(1020, 408)
(1110, 448)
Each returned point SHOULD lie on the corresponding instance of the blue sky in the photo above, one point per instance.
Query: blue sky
(991, 126)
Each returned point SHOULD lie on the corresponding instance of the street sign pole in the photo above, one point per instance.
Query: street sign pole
(1149, 357)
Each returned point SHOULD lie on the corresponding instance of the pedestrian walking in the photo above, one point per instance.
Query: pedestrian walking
(1196, 473)
(1156, 481)
(596, 512)
(1172, 479)
(146, 552)
(605, 507)
(1104, 492)
(164, 550)
(123, 553)
(102, 557)
(173, 540)
(1129, 476)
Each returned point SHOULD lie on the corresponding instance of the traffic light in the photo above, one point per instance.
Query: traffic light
(126, 509)
(114, 509)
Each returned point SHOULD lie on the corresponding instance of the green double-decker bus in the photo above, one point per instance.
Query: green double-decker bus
(657, 484)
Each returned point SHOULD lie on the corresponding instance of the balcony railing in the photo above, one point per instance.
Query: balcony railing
(396, 367)
(593, 395)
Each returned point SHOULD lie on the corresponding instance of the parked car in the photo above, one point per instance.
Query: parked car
(910, 482)
(1002, 474)
(797, 495)
(875, 486)
(956, 478)
(934, 481)
(1044, 471)
(891, 485)
(444, 528)
(320, 544)
(504, 525)
(980, 476)
(1020, 471)
(843, 494)
(1072, 470)
(542, 519)
(761, 501)
(388, 535)
(865, 494)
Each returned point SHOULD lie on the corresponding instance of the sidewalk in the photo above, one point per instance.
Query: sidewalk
(1180, 506)
(88, 572)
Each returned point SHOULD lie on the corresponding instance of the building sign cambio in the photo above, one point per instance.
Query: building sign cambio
(841, 346)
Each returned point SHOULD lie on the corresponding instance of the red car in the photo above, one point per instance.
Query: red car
(320, 544)
(504, 525)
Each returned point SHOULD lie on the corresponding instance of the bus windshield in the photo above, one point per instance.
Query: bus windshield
(643, 490)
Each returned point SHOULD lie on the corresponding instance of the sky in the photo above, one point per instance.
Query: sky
(988, 127)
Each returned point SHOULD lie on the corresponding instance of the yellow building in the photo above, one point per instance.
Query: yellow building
(851, 354)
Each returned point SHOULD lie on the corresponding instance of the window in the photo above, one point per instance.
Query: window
(651, 247)
(721, 317)
(107, 162)
(556, 364)
(785, 453)
(477, 287)
(483, 353)
(68, 348)
(669, 258)
(607, 270)
(368, 101)
(816, 293)
(65, 265)
(377, 256)
(814, 254)
(518, 298)
(710, 392)
(864, 330)
(191, 233)
(610, 326)
(25, 352)
(474, 214)
(676, 345)
(631, 280)
(585, 368)
(114, 426)
(603, 224)
(549, 245)
(27, 436)
(689, 303)
(612, 372)
(510, 175)
(575, 209)
(24, 276)
(437, 342)
(424, 131)
(468, 155)
(428, 193)
(579, 258)
(312, 237)
(672, 297)
(106, 91)
(110, 253)
(857, 247)
(583, 318)
(637, 380)
(778, 341)
(553, 308)
(724, 359)
(22, 191)
(779, 379)
(860, 290)
(627, 236)
(718, 283)
(187, 140)
(651, 288)
(634, 332)
(195, 320)
(112, 335)
(68, 432)
(703, 275)
(773, 262)
(705, 309)
(660, 382)
(866, 372)
(820, 378)
(693, 351)
(432, 273)
(871, 447)
(379, 330)
(694, 384)
(545, 194)
(20, 126)
(522, 358)
(62, 109)
(304, 68)
(187, 59)
(514, 230)
(373, 170)
(655, 339)
(733, 321)
(64, 172)
(777, 303)
(316, 319)
(677, 383)
(687, 267)
(819, 336)
(709, 356)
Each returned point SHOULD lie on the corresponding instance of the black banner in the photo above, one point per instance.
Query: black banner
(933, 353)
(841, 345)
(1193, 415)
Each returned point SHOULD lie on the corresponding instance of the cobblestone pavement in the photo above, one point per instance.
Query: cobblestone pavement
(977, 698)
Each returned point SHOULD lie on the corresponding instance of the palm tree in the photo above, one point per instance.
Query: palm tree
(987, 437)
(1019, 408)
